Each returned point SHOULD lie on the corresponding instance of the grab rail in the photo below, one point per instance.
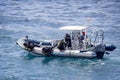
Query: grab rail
(99, 33)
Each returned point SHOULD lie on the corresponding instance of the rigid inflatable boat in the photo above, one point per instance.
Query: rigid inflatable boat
(75, 44)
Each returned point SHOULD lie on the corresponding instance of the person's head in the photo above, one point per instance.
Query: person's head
(83, 33)
(27, 36)
(66, 34)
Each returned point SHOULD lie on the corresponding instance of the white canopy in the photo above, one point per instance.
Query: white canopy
(73, 27)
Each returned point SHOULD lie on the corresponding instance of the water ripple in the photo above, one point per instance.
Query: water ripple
(40, 19)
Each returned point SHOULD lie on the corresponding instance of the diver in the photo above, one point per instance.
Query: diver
(61, 45)
(68, 40)
(26, 37)
(28, 44)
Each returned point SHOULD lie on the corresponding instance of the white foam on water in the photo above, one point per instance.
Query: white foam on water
(0, 27)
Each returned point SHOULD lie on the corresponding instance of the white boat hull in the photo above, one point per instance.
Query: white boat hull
(37, 51)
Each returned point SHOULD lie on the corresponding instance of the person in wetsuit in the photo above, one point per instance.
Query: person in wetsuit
(61, 45)
(68, 40)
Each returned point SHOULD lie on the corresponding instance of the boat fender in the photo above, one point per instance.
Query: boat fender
(47, 51)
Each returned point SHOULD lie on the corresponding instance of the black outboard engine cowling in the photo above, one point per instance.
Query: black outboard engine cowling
(110, 48)
(100, 50)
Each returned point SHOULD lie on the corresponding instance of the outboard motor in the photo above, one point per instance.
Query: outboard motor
(110, 48)
(100, 50)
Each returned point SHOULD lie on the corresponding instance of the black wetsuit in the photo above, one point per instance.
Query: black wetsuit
(68, 40)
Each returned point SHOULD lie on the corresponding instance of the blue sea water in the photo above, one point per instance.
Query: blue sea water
(40, 19)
